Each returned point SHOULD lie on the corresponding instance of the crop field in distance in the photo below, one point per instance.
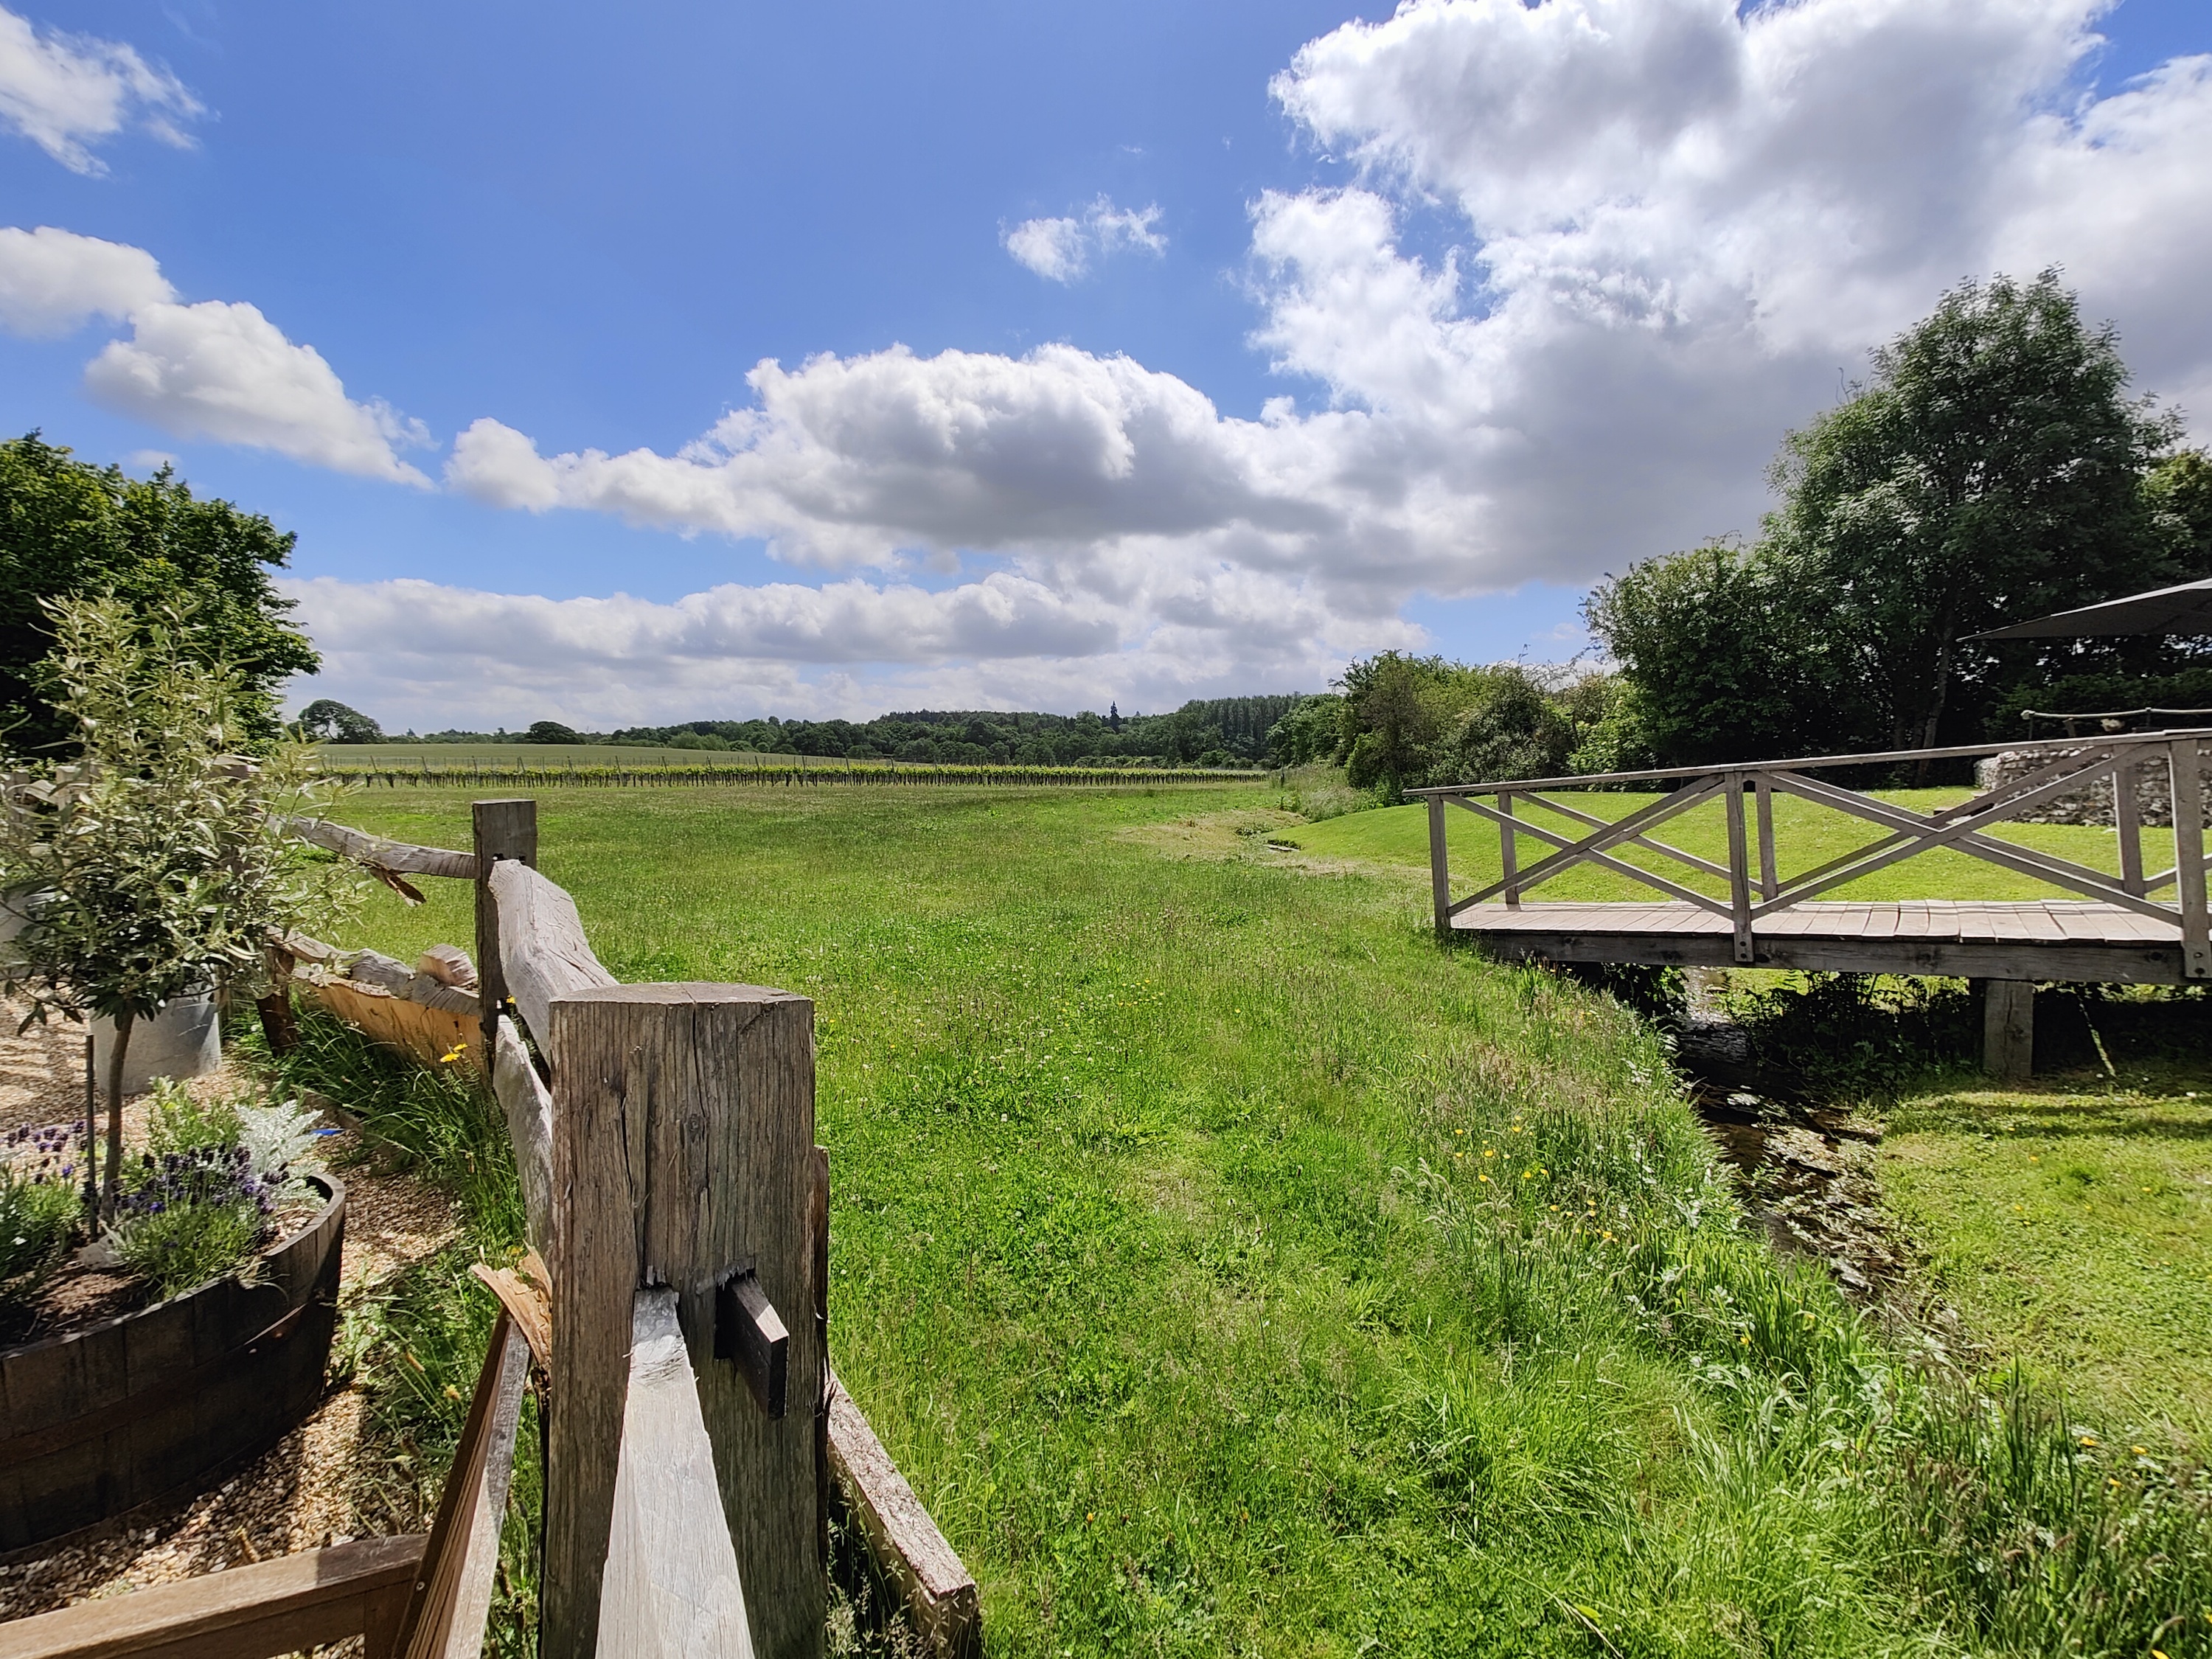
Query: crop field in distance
(1233, 1270)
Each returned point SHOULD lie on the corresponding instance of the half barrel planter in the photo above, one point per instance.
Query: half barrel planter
(143, 1410)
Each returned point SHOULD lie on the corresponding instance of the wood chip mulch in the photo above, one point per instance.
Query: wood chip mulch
(304, 1494)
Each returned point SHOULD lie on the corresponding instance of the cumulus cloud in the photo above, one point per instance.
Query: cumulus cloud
(422, 653)
(224, 371)
(1060, 250)
(1675, 222)
(53, 281)
(1669, 223)
(212, 370)
(65, 92)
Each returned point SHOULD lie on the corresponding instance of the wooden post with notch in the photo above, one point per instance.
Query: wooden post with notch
(683, 1152)
(2188, 858)
(1439, 867)
(504, 829)
(1739, 867)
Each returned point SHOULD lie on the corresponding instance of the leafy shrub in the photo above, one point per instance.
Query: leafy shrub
(190, 1224)
(175, 1122)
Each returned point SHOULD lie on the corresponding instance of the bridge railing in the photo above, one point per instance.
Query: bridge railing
(1757, 889)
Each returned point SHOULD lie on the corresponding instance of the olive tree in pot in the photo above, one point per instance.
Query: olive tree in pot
(158, 849)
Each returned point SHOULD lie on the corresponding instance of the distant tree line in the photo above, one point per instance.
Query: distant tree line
(1217, 731)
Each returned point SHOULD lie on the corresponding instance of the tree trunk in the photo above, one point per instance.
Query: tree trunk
(277, 1024)
(91, 1129)
(111, 1184)
(1947, 629)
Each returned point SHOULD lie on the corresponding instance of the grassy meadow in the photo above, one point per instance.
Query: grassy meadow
(1232, 1270)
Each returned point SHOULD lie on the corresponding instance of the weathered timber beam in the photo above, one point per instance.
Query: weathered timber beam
(543, 955)
(528, 1107)
(1705, 866)
(397, 856)
(1583, 854)
(1963, 835)
(452, 1597)
(937, 1590)
(274, 1606)
(670, 1588)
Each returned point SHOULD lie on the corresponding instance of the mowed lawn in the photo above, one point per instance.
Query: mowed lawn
(1806, 835)
(1233, 1271)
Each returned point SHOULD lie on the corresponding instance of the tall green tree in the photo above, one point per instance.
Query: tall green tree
(70, 530)
(1992, 469)
(1729, 656)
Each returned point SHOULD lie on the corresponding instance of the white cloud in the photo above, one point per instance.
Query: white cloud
(1062, 249)
(423, 654)
(1676, 222)
(211, 370)
(1668, 224)
(224, 371)
(52, 281)
(65, 92)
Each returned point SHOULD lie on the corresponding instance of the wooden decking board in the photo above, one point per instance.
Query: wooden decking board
(2058, 939)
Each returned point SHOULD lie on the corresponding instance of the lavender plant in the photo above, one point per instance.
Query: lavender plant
(204, 1195)
(38, 1209)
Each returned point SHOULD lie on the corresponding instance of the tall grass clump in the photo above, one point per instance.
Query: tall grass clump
(416, 1343)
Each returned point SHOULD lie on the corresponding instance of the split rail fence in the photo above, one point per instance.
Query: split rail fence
(675, 1297)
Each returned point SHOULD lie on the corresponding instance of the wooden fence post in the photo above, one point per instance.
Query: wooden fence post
(683, 1153)
(2127, 825)
(504, 829)
(1739, 867)
(1508, 854)
(2188, 858)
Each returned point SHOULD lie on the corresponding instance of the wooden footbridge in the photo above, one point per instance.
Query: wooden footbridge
(2131, 926)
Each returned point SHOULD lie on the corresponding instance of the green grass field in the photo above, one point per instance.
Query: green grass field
(1234, 1271)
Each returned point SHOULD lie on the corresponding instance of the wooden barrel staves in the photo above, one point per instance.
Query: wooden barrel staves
(143, 1410)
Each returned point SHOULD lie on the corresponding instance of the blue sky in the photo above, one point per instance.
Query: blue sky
(1473, 244)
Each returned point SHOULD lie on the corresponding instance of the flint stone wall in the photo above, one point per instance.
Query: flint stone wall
(2093, 803)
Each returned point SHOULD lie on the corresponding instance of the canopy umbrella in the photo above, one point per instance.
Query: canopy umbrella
(2183, 610)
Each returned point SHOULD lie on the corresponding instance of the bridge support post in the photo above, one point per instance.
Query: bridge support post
(2008, 1029)
(1439, 867)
